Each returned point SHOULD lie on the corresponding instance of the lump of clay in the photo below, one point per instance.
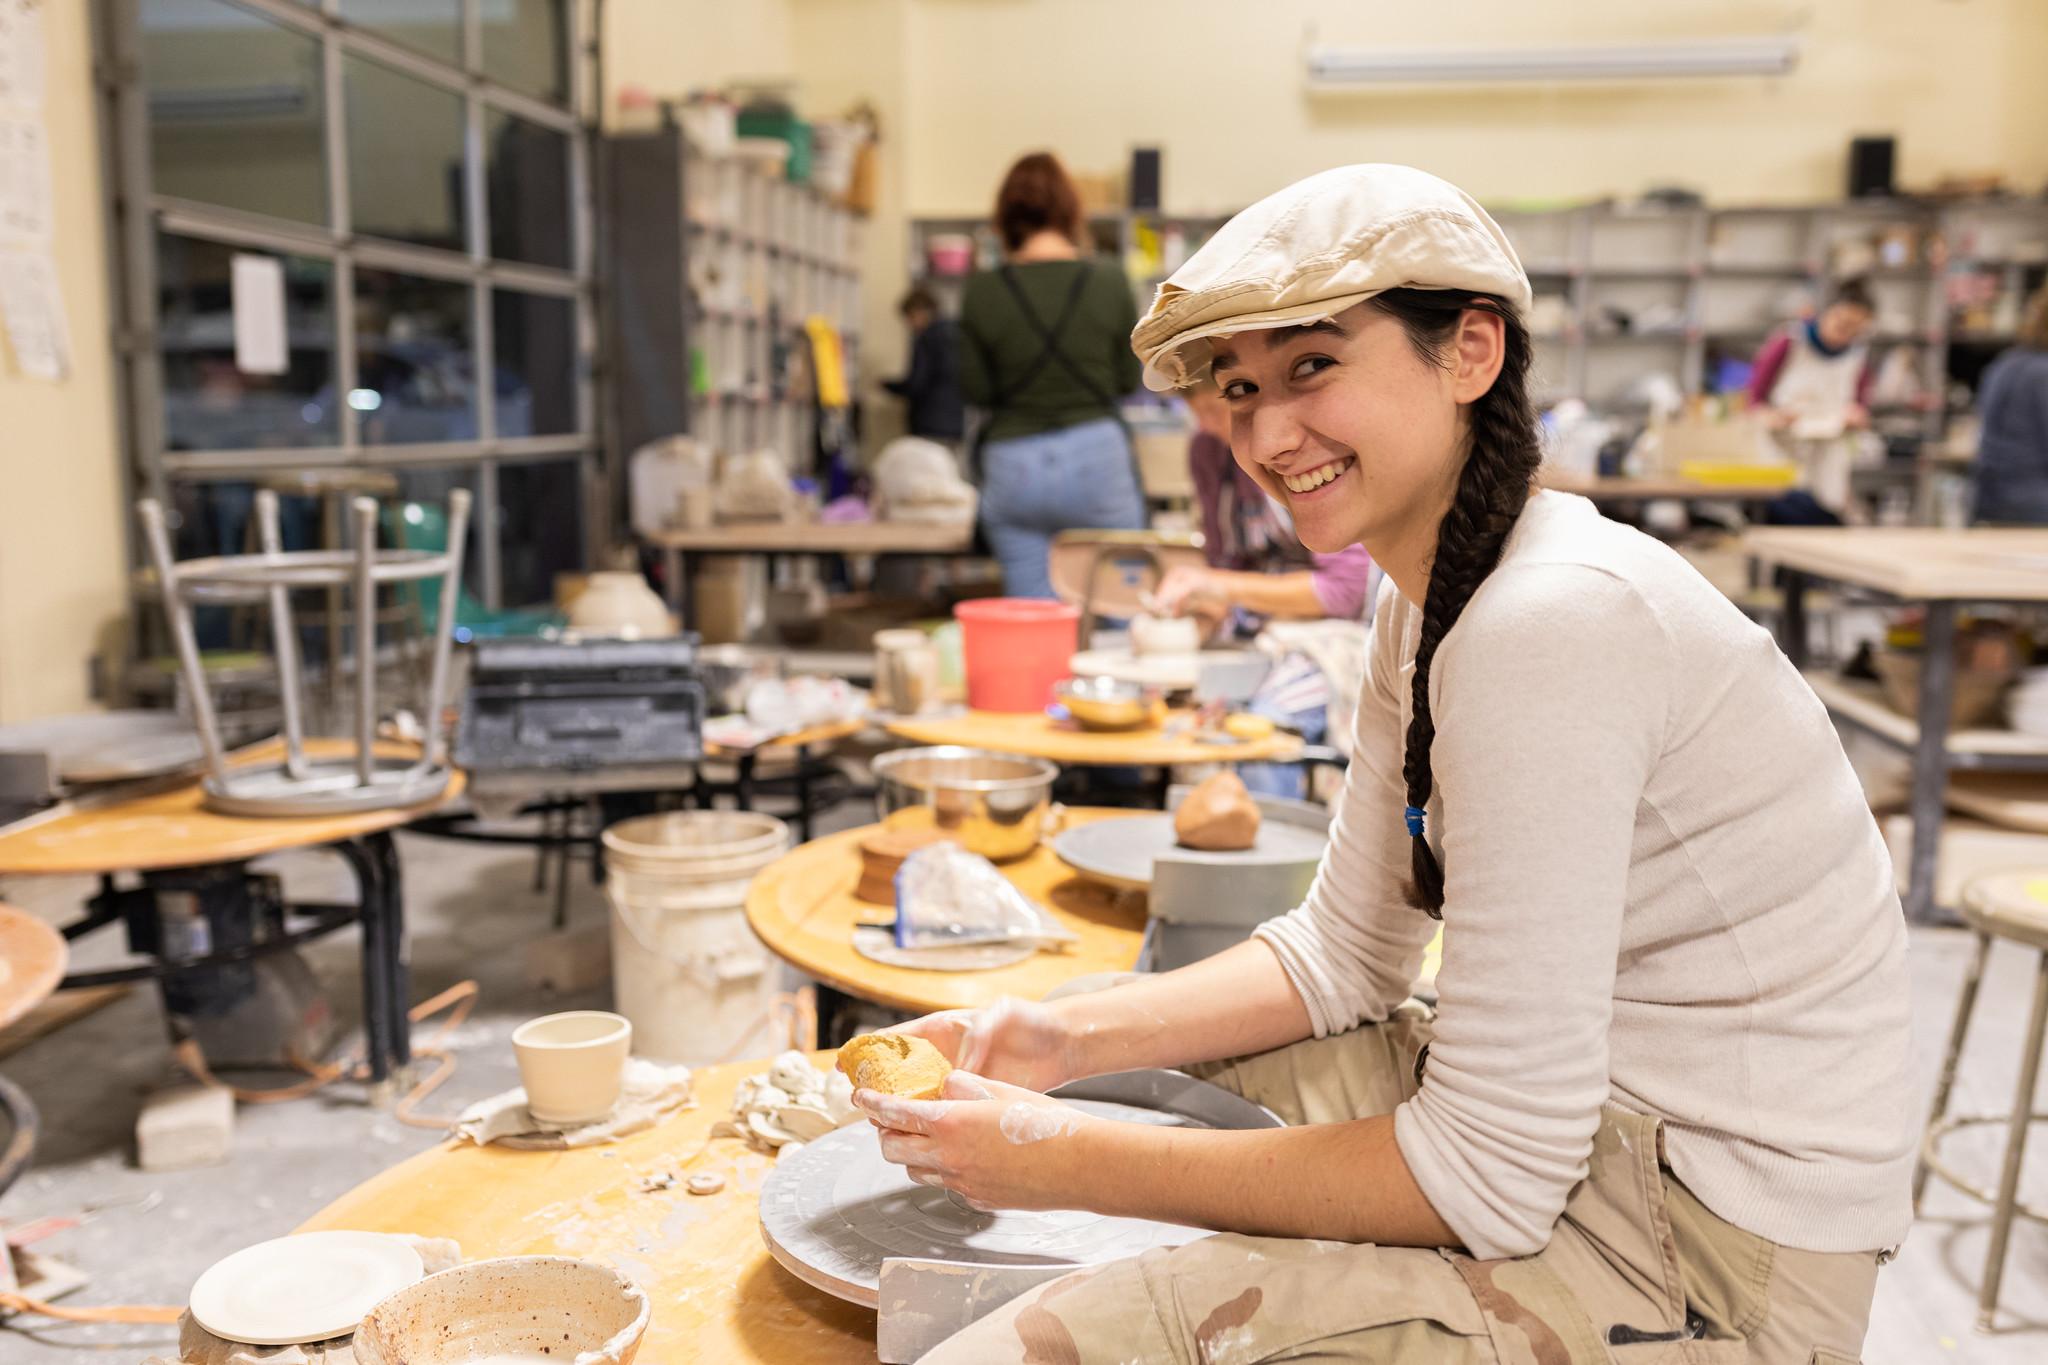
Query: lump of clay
(1218, 816)
(895, 1064)
(1165, 635)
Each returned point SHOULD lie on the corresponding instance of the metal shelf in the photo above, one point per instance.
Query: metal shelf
(1862, 705)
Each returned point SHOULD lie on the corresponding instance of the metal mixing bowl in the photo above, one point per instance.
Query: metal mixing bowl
(993, 804)
(1104, 703)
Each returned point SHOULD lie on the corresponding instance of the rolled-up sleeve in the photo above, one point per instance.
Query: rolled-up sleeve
(1340, 582)
(1353, 946)
(1543, 750)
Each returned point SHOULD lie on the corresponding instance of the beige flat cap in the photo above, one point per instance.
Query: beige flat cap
(1316, 248)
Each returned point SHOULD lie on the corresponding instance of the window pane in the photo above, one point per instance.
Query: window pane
(525, 46)
(534, 339)
(414, 377)
(235, 110)
(529, 190)
(430, 26)
(209, 404)
(418, 520)
(404, 157)
(540, 516)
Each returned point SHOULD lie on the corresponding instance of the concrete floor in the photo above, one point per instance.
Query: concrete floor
(473, 909)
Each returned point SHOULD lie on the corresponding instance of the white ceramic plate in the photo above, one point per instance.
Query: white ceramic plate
(305, 1288)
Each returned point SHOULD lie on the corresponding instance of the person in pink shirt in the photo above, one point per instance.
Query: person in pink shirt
(1811, 382)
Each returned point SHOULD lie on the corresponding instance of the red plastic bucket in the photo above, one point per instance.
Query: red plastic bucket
(1014, 649)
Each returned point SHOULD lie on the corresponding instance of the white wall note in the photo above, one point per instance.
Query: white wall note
(257, 284)
(25, 184)
(21, 52)
(32, 305)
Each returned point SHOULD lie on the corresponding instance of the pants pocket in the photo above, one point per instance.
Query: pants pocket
(1823, 1356)
(1238, 1300)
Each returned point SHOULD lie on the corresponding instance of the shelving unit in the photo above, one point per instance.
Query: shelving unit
(718, 264)
(1699, 285)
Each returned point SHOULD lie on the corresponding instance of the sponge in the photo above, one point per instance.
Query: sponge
(895, 1064)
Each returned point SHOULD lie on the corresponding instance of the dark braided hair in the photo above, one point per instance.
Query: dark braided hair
(1500, 466)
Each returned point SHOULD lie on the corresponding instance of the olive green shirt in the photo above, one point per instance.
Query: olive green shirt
(999, 348)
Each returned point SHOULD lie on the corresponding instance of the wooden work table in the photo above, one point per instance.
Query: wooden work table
(803, 907)
(679, 547)
(1940, 570)
(1655, 488)
(1036, 735)
(718, 1295)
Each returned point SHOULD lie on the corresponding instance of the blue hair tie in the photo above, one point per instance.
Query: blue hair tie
(1415, 816)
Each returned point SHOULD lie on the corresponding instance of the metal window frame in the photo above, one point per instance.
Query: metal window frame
(138, 214)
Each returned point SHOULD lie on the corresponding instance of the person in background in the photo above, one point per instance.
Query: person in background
(1810, 382)
(930, 389)
(1045, 352)
(1306, 610)
(2012, 450)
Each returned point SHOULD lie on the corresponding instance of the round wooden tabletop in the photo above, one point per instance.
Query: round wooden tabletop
(1037, 735)
(829, 733)
(175, 829)
(32, 956)
(803, 907)
(717, 1293)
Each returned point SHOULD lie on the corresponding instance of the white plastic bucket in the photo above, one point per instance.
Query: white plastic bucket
(686, 968)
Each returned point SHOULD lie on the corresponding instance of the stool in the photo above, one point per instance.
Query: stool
(2014, 906)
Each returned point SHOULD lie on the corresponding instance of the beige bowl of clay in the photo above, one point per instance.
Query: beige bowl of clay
(520, 1310)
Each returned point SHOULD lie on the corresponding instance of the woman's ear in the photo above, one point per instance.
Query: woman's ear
(1481, 348)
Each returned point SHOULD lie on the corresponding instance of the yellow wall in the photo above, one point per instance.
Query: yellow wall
(62, 545)
(1219, 85)
(670, 47)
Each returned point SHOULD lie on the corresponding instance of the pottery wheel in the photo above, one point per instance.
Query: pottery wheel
(1120, 852)
(833, 1211)
(877, 943)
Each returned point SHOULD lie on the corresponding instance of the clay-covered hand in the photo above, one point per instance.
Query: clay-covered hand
(1019, 1041)
(997, 1146)
(1182, 587)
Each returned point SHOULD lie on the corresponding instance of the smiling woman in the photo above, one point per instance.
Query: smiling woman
(1656, 1100)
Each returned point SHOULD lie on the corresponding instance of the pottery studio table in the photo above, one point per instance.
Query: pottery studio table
(31, 964)
(1036, 735)
(717, 1294)
(1942, 571)
(1623, 491)
(173, 840)
(803, 907)
(680, 549)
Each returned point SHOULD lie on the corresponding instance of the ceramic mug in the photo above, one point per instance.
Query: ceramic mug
(573, 1064)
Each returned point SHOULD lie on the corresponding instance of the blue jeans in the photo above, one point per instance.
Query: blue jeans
(1034, 487)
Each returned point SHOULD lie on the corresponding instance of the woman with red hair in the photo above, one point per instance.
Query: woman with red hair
(1045, 353)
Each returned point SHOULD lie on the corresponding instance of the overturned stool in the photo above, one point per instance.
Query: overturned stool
(358, 779)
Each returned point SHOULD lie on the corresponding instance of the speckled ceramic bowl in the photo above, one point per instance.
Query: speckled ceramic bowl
(519, 1308)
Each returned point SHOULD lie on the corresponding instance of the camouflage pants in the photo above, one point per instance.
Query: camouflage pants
(1636, 1271)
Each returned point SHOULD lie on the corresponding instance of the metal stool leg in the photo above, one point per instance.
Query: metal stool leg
(803, 793)
(398, 955)
(2015, 1150)
(1966, 1003)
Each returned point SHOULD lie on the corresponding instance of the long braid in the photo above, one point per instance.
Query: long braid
(1493, 487)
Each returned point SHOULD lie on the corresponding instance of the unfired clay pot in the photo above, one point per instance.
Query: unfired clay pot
(621, 604)
(516, 1308)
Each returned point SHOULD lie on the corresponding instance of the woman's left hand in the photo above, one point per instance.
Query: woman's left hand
(997, 1146)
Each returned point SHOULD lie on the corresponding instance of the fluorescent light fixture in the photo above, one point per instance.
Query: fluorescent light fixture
(365, 400)
(1772, 56)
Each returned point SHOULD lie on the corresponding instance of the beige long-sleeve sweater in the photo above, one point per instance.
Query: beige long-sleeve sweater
(1663, 890)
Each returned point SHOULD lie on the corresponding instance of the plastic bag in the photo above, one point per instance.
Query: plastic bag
(946, 895)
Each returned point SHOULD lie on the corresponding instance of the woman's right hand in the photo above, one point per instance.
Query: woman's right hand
(1018, 1041)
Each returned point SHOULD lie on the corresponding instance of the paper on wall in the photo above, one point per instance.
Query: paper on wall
(32, 307)
(257, 287)
(21, 52)
(25, 185)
